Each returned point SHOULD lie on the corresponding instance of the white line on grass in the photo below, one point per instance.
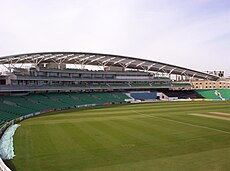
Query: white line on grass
(184, 123)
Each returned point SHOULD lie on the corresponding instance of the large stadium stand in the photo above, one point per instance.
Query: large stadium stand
(198, 94)
(182, 94)
(215, 94)
(225, 93)
(16, 106)
(47, 83)
(208, 94)
(13, 107)
(144, 95)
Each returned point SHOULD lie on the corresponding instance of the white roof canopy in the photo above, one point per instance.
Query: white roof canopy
(103, 60)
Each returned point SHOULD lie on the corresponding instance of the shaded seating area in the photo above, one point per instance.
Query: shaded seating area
(182, 94)
(144, 95)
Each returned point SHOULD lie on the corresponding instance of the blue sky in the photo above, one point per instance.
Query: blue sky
(190, 33)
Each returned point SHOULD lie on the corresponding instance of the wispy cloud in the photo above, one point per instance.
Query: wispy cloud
(190, 33)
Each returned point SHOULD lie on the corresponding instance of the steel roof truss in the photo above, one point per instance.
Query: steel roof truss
(162, 67)
(128, 63)
(68, 56)
(62, 59)
(84, 60)
(164, 71)
(76, 62)
(38, 61)
(41, 57)
(6, 67)
(96, 59)
(119, 61)
(23, 57)
(102, 59)
(140, 64)
(75, 57)
(150, 66)
(186, 74)
(45, 59)
(183, 72)
(30, 59)
(107, 60)
(123, 65)
(171, 70)
(17, 60)
(193, 75)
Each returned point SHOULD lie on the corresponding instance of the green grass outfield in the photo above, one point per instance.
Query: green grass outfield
(150, 136)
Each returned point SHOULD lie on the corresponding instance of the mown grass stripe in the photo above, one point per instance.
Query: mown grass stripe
(188, 124)
(211, 116)
(118, 137)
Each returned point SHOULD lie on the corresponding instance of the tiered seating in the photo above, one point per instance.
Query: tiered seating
(144, 95)
(36, 104)
(119, 85)
(98, 85)
(208, 94)
(181, 84)
(45, 100)
(77, 99)
(106, 97)
(21, 102)
(62, 98)
(160, 85)
(225, 93)
(182, 94)
(87, 98)
(5, 117)
(14, 107)
(120, 96)
(140, 84)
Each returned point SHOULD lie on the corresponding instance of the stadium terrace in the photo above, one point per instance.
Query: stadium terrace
(39, 83)
(50, 70)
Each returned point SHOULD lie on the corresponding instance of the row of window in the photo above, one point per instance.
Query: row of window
(72, 75)
(50, 82)
(213, 87)
(212, 83)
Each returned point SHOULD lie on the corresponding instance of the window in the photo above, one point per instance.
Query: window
(98, 76)
(41, 74)
(64, 75)
(53, 74)
(76, 75)
(86, 76)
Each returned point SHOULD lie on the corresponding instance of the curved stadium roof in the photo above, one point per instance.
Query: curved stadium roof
(103, 60)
